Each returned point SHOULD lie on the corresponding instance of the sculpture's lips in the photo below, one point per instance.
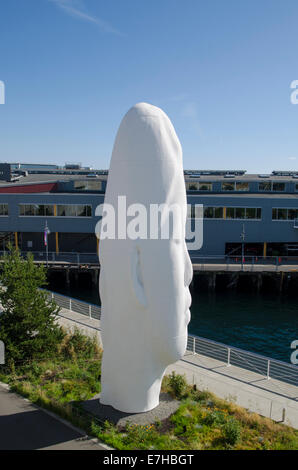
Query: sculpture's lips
(187, 314)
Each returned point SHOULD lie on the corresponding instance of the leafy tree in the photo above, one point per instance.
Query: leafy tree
(27, 324)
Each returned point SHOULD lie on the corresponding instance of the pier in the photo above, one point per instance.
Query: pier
(216, 272)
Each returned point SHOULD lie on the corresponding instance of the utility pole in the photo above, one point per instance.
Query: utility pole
(242, 236)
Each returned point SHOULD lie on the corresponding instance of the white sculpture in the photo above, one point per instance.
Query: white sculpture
(144, 283)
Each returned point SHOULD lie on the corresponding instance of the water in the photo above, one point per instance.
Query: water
(262, 323)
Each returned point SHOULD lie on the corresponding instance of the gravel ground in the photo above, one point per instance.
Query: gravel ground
(167, 406)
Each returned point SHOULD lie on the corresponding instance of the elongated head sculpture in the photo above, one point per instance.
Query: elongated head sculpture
(145, 274)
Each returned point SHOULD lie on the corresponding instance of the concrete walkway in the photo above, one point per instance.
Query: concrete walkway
(24, 426)
(272, 398)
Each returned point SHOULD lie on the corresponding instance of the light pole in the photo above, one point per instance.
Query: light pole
(46, 233)
(242, 236)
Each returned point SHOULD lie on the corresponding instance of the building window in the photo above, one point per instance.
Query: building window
(228, 186)
(36, 210)
(235, 186)
(88, 185)
(292, 214)
(241, 186)
(265, 186)
(272, 186)
(278, 186)
(239, 213)
(195, 186)
(213, 212)
(284, 214)
(230, 212)
(72, 210)
(3, 209)
(192, 186)
(244, 213)
(205, 186)
(47, 210)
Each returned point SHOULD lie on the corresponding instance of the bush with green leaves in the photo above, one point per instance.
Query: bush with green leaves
(178, 385)
(28, 325)
(231, 431)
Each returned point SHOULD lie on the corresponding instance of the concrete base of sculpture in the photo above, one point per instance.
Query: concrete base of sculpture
(167, 406)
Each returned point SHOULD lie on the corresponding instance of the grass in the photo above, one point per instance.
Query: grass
(202, 421)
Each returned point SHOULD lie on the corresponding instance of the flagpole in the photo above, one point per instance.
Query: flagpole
(46, 231)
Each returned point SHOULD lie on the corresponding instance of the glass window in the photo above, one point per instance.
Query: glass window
(278, 186)
(61, 210)
(230, 212)
(282, 214)
(250, 213)
(218, 212)
(81, 211)
(49, 210)
(71, 211)
(208, 212)
(292, 214)
(240, 186)
(3, 209)
(259, 213)
(39, 209)
(94, 185)
(228, 186)
(265, 186)
(205, 186)
(80, 185)
(189, 211)
(192, 186)
(29, 209)
(274, 214)
(296, 187)
(240, 212)
(88, 185)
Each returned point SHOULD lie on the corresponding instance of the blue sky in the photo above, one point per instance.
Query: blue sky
(220, 69)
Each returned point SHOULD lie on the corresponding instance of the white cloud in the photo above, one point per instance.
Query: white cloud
(77, 9)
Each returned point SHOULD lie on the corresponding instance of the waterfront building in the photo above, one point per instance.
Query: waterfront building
(263, 207)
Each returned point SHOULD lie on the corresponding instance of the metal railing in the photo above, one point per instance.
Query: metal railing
(265, 366)
(249, 263)
(229, 355)
(75, 305)
(61, 257)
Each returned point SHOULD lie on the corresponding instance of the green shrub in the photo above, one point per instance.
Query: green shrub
(28, 325)
(231, 431)
(178, 385)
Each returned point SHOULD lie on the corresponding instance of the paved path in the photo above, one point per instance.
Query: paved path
(24, 426)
